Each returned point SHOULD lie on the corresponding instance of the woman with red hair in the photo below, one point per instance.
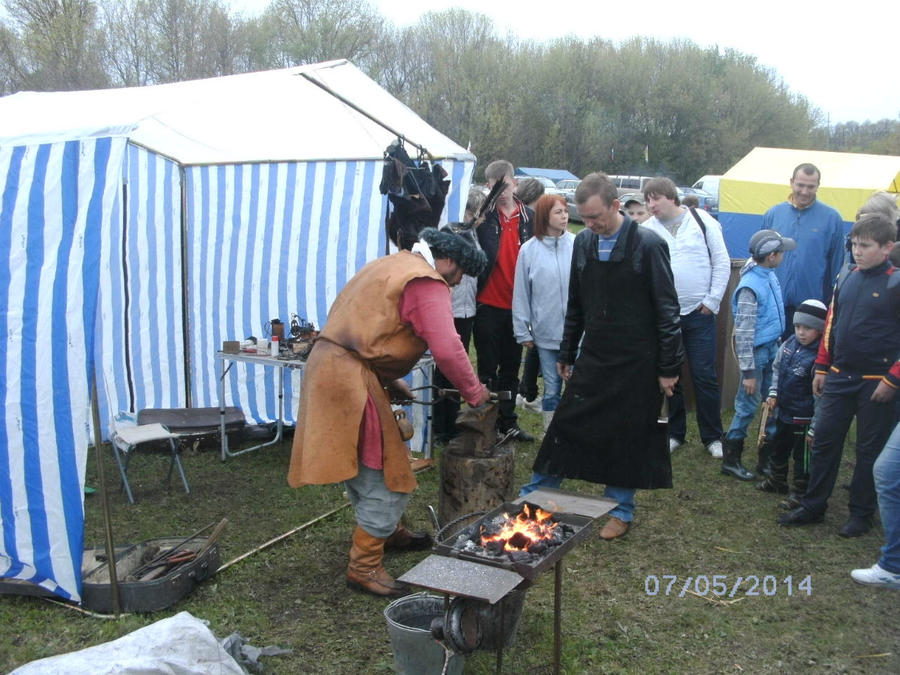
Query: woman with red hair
(541, 292)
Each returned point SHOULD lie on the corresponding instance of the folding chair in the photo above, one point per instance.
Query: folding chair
(127, 438)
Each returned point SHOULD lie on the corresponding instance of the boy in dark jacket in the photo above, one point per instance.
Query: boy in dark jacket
(857, 373)
(791, 392)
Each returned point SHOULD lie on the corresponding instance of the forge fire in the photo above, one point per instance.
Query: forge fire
(531, 527)
(521, 537)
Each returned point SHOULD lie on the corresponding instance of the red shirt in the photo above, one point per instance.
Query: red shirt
(498, 290)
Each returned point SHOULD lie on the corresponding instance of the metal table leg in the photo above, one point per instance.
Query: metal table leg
(279, 425)
(557, 616)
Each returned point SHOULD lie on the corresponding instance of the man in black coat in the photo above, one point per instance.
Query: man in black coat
(622, 301)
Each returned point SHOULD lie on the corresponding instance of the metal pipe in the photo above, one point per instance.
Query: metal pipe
(104, 498)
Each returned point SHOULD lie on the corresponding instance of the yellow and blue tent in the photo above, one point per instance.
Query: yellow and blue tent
(762, 179)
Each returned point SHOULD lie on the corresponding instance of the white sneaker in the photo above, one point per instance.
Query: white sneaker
(674, 444)
(876, 576)
(715, 449)
(525, 404)
(534, 406)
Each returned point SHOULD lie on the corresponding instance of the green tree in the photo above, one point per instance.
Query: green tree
(53, 45)
(312, 31)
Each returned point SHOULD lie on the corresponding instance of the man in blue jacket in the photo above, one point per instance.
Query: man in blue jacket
(809, 271)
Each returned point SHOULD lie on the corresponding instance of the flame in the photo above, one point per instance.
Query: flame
(535, 528)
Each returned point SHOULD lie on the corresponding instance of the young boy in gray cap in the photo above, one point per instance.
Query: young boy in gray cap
(758, 311)
(791, 392)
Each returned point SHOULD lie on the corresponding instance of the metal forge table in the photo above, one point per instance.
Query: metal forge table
(452, 572)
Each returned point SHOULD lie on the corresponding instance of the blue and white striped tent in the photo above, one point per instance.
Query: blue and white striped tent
(139, 228)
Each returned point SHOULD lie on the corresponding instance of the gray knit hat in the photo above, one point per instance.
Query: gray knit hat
(765, 242)
(811, 313)
(449, 245)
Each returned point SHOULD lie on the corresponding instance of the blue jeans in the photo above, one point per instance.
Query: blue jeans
(623, 496)
(552, 380)
(745, 405)
(698, 333)
(887, 485)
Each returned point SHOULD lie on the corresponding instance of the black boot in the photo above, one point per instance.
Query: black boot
(798, 488)
(764, 460)
(776, 481)
(731, 459)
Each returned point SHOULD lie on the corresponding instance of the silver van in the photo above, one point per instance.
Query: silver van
(626, 184)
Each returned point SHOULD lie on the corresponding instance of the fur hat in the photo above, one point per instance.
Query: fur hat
(811, 313)
(456, 248)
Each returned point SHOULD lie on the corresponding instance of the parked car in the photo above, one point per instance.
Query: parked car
(709, 184)
(549, 185)
(567, 185)
(626, 184)
(573, 210)
(708, 202)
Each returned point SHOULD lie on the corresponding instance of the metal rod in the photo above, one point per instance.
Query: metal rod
(281, 536)
(355, 107)
(557, 616)
(502, 636)
(104, 497)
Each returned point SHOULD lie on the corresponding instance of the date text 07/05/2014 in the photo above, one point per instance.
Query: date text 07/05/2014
(723, 585)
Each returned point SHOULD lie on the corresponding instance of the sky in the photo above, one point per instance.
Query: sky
(839, 56)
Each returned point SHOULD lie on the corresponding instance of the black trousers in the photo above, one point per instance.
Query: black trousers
(499, 357)
(842, 401)
(789, 443)
(444, 413)
(530, 371)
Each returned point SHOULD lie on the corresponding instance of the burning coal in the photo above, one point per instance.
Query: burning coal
(521, 537)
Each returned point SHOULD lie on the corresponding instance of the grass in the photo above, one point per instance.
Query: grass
(293, 594)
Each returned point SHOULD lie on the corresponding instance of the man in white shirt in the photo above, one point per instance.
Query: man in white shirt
(701, 267)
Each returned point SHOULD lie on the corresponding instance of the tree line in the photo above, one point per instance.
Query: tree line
(641, 107)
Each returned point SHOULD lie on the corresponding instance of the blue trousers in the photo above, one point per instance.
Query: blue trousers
(745, 405)
(887, 485)
(552, 380)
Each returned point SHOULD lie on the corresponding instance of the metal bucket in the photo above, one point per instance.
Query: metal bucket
(416, 652)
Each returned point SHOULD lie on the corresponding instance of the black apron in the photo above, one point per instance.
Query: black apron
(606, 427)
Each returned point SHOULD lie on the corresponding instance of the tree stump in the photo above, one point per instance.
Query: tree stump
(475, 483)
(476, 474)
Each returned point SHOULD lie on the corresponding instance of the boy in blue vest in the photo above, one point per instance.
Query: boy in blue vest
(758, 311)
(791, 392)
(857, 374)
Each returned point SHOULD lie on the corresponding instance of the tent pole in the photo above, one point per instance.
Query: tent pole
(101, 483)
(377, 121)
(185, 314)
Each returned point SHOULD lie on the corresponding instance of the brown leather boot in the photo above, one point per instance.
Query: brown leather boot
(365, 572)
(405, 540)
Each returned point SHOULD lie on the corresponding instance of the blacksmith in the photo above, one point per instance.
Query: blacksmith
(379, 326)
(622, 300)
